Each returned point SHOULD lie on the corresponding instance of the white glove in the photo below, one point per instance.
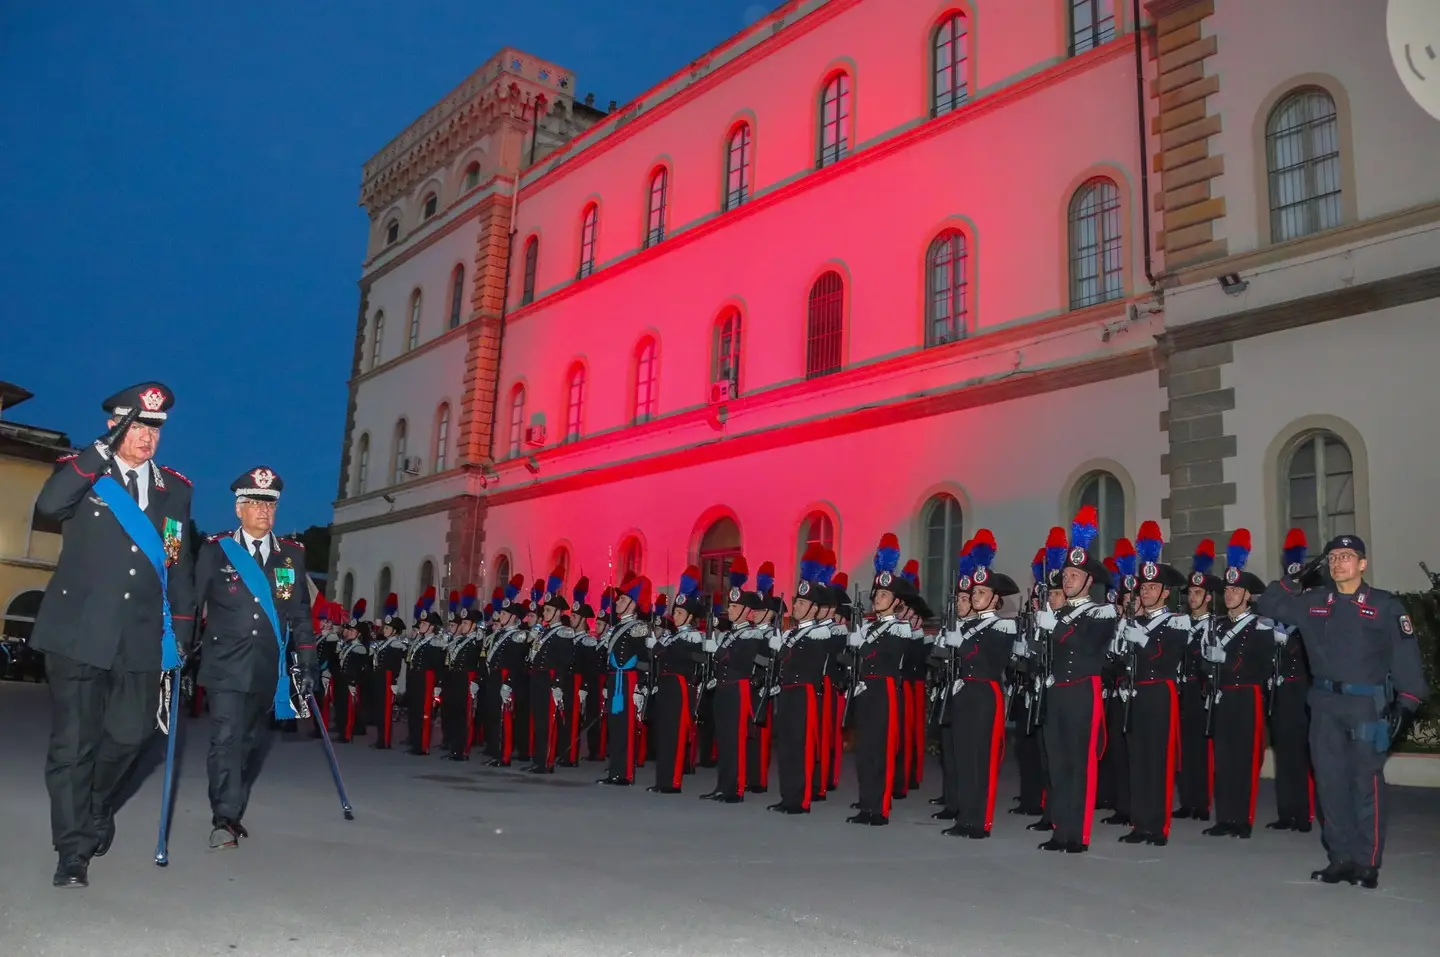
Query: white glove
(955, 688)
(1046, 619)
(1213, 653)
(777, 641)
(1282, 634)
(395, 688)
(952, 638)
(859, 688)
(639, 699)
(1135, 635)
(710, 646)
(856, 639)
(583, 695)
(649, 641)
(474, 688)
(775, 692)
(712, 684)
(1020, 649)
(505, 693)
(558, 697)
(930, 639)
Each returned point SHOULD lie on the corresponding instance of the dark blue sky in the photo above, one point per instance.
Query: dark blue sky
(181, 183)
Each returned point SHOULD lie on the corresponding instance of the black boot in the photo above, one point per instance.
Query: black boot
(945, 815)
(1369, 877)
(72, 871)
(104, 822)
(1335, 872)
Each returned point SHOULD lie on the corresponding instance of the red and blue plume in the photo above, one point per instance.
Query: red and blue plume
(392, 605)
(811, 561)
(887, 556)
(1295, 547)
(605, 602)
(765, 578)
(983, 548)
(427, 600)
(1112, 566)
(556, 581)
(537, 590)
(739, 572)
(582, 588)
(690, 580)
(1204, 559)
(468, 597)
(1055, 549)
(827, 565)
(454, 601)
(1084, 527)
(359, 610)
(966, 566)
(1237, 553)
(661, 602)
(1037, 565)
(513, 586)
(911, 571)
(1149, 543)
(1126, 559)
(496, 597)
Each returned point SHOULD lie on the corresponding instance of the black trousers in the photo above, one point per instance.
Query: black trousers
(623, 731)
(705, 729)
(545, 720)
(1028, 753)
(594, 685)
(383, 698)
(1074, 740)
(757, 776)
(1153, 752)
(796, 733)
(1195, 756)
(499, 717)
(978, 730)
(670, 730)
(237, 730)
(1114, 786)
(1290, 740)
(877, 750)
(456, 707)
(732, 731)
(420, 706)
(1239, 750)
(100, 722)
(949, 770)
(521, 735)
(1349, 779)
(901, 783)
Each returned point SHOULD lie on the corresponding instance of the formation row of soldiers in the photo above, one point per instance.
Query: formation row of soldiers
(1120, 681)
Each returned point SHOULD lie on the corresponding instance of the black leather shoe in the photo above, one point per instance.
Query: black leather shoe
(855, 806)
(1052, 845)
(617, 782)
(959, 830)
(1335, 872)
(1241, 831)
(862, 818)
(72, 871)
(1203, 814)
(710, 796)
(1369, 877)
(223, 836)
(656, 789)
(1156, 840)
(783, 808)
(1302, 826)
(1181, 813)
(104, 823)
(1075, 847)
(239, 829)
(1218, 830)
(939, 800)
(977, 834)
(1040, 825)
(1134, 837)
(946, 815)
(1121, 819)
(878, 820)
(731, 799)
(757, 789)
(816, 797)
(497, 763)
(570, 764)
(1283, 824)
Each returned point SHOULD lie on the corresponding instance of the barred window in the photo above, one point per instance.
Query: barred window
(825, 325)
(1092, 23)
(834, 120)
(737, 167)
(502, 570)
(398, 465)
(952, 52)
(347, 591)
(1096, 267)
(947, 287)
(574, 402)
(457, 295)
(727, 348)
(588, 225)
(646, 381)
(1302, 150)
(392, 232)
(383, 591)
(532, 260)
(655, 216)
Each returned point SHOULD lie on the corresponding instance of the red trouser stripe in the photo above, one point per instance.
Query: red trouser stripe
(1172, 753)
(1259, 752)
(387, 716)
(1092, 755)
(577, 716)
(427, 710)
(827, 733)
(742, 749)
(997, 753)
(469, 712)
(682, 732)
(811, 743)
(352, 701)
(892, 735)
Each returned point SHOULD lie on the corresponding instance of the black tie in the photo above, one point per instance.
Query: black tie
(132, 485)
(259, 558)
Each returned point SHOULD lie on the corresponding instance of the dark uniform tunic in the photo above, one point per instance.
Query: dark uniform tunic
(1155, 723)
(457, 702)
(977, 719)
(627, 651)
(387, 658)
(734, 665)
(1195, 756)
(1290, 733)
(241, 663)
(505, 663)
(100, 628)
(914, 670)
(550, 662)
(673, 659)
(1239, 724)
(350, 683)
(877, 705)
(424, 661)
(1355, 643)
(800, 671)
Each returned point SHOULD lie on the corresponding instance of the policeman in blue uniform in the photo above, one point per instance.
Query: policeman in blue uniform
(102, 625)
(1368, 680)
(243, 578)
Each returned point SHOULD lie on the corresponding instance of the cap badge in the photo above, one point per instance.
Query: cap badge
(1232, 575)
(264, 478)
(980, 577)
(1129, 582)
(1150, 572)
(885, 579)
(804, 588)
(152, 399)
(734, 594)
(1077, 556)
(1292, 568)
(1197, 579)
(964, 583)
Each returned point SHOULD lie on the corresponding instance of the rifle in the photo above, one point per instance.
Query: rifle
(761, 717)
(1434, 578)
(1277, 664)
(1043, 663)
(1212, 694)
(1126, 685)
(940, 709)
(706, 662)
(852, 677)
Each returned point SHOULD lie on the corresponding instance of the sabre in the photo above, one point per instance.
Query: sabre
(310, 708)
(162, 840)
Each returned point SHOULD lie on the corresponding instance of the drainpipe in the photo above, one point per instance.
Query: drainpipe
(1144, 143)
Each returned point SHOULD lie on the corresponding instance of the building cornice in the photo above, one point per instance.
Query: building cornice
(392, 518)
(429, 233)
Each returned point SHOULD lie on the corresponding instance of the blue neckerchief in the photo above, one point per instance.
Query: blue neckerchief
(254, 578)
(617, 700)
(137, 525)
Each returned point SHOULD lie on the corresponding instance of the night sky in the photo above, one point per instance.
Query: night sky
(182, 182)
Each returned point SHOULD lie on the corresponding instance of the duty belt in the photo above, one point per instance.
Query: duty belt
(1351, 688)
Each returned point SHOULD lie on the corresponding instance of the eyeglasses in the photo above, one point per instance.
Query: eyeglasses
(260, 506)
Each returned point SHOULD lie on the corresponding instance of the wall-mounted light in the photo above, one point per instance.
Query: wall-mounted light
(532, 465)
(1232, 284)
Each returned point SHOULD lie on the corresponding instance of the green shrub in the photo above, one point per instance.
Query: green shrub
(1424, 611)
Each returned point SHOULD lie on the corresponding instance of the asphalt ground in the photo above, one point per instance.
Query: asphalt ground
(446, 859)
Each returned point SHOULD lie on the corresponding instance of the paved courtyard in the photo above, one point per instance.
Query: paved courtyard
(458, 859)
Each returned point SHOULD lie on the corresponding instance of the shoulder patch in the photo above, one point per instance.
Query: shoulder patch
(293, 542)
(178, 475)
(66, 458)
(1406, 627)
(1104, 612)
(219, 535)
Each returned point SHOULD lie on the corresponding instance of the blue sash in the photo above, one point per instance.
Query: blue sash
(142, 532)
(254, 578)
(617, 700)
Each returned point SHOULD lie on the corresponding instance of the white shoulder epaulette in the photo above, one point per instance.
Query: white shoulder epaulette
(1006, 626)
(1105, 612)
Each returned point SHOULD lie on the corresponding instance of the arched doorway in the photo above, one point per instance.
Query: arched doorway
(20, 614)
(719, 547)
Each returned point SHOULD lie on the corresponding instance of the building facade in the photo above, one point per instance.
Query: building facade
(924, 267)
(29, 545)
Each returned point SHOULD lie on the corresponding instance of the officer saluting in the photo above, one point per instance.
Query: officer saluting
(104, 626)
(1368, 679)
(257, 614)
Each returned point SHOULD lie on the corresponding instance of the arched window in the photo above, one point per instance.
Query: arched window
(377, 339)
(20, 614)
(719, 547)
(589, 223)
(383, 588)
(401, 463)
(392, 233)
(1103, 490)
(442, 437)
(427, 577)
(632, 558)
(532, 262)
(457, 295)
(412, 336)
(1092, 23)
(655, 208)
(502, 572)
(560, 558)
(1302, 154)
(727, 350)
(947, 288)
(834, 121)
(432, 203)
(517, 419)
(647, 381)
(737, 167)
(574, 402)
(362, 464)
(952, 67)
(816, 529)
(944, 537)
(347, 592)
(1319, 488)
(472, 176)
(825, 325)
(1097, 271)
